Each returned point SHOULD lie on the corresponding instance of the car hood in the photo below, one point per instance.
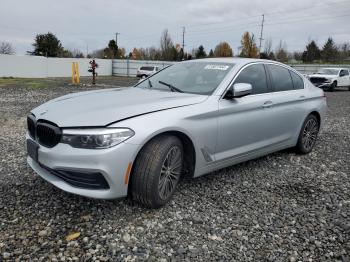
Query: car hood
(102, 107)
(324, 76)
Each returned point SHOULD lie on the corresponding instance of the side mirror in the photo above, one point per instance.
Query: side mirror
(239, 90)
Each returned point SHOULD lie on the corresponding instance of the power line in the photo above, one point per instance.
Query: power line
(309, 19)
(270, 14)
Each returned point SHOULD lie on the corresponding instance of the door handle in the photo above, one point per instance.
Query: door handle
(267, 104)
(302, 98)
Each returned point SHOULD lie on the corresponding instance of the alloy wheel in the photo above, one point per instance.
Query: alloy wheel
(310, 134)
(170, 172)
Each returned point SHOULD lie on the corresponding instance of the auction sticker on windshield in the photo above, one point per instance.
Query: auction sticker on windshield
(216, 67)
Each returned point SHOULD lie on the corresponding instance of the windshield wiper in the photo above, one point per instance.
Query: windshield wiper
(149, 83)
(172, 88)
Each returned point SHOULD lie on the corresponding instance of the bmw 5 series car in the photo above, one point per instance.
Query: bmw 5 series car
(189, 119)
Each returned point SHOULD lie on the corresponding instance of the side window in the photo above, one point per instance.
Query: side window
(344, 73)
(254, 75)
(298, 82)
(281, 79)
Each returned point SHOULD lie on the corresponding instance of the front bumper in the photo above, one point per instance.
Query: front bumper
(322, 85)
(111, 163)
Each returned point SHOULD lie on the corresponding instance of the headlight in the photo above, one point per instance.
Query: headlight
(98, 138)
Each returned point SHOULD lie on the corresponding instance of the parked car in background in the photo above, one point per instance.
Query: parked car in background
(331, 78)
(189, 119)
(146, 71)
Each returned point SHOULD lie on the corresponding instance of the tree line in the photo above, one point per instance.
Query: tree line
(49, 45)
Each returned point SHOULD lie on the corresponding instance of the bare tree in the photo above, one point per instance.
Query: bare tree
(166, 45)
(99, 53)
(281, 52)
(6, 48)
(268, 46)
(344, 51)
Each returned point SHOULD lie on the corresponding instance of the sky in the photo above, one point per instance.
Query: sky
(88, 25)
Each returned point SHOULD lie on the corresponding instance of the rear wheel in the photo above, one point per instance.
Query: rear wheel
(308, 135)
(157, 171)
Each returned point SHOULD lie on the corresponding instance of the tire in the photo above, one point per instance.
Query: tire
(143, 76)
(308, 135)
(157, 171)
(332, 86)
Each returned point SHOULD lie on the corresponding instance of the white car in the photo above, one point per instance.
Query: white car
(330, 78)
(146, 71)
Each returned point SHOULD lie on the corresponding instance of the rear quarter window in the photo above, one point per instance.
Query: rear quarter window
(298, 82)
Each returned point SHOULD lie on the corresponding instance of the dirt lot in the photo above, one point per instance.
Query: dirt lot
(282, 207)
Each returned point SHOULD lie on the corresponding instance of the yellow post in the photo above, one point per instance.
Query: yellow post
(75, 73)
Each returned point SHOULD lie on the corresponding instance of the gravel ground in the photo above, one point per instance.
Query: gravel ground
(282, 207)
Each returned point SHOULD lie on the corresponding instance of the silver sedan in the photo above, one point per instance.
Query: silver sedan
(186, 120)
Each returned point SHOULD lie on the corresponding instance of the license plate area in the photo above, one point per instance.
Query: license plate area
(32, 149)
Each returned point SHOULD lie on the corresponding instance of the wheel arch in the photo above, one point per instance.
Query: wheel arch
(189, 152)
(317, 115)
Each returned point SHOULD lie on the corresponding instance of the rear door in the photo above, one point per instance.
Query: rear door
(288, 97)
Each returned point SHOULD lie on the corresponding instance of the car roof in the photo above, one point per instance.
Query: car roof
(233, 60)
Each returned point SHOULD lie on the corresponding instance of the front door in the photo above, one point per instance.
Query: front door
(243, 123)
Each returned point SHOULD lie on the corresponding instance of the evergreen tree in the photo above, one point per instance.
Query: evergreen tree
(211, 53)
(200, 53)
(329, 51)
(311, 53)
(47, 45)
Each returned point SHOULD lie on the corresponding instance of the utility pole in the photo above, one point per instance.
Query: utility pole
(183, 42)
(261, 32)
(116, 43)
(116, 38)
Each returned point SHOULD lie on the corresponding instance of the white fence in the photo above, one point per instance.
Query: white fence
(38, 66)
(41, 67)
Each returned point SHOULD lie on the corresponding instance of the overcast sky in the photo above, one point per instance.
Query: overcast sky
(85, 23)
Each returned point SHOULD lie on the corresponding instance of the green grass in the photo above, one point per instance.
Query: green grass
(26, 82)
(35, 83)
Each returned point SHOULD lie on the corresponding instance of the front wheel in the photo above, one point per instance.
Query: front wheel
(308, 135)
(157, 171)
(332, 87)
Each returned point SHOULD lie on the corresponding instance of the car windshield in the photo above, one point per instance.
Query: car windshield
(328, 71)
(189, 77)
